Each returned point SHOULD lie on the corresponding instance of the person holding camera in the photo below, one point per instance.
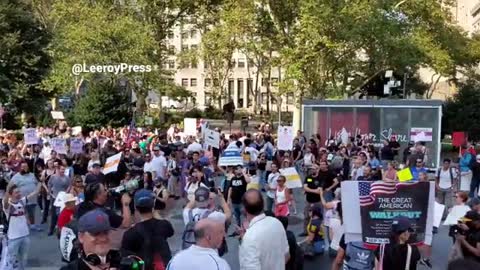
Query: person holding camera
(96, 196)
(95, 244)
(468, 236)
(148, 238)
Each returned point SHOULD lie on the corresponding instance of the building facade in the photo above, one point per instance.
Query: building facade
(195, 78)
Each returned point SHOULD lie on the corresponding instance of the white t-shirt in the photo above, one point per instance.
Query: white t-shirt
(196, 257)
(191, 188)
(445, 180)
(197, 213)
(18, 226)
(194, 147)
(272, 183)
(148, 167)
(159, 165)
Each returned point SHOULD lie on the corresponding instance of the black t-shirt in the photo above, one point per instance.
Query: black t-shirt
(297, 152)
(94, 178)
(395, 257)
(76, 265)
(157, 230)
(473, 239)
(326, 178)
(239, 187)
(312, 182)
(394, 144)
(84, 207)
(386, 153)
(166, 149)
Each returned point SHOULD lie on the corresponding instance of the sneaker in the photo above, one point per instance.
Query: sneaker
(435, 230)
(426, 262)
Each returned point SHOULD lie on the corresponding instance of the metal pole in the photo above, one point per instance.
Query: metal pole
(404, 85)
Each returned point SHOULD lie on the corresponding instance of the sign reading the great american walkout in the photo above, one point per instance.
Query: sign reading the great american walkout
(381, 202)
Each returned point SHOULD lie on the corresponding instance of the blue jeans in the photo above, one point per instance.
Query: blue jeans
(18, 251)
(237, 212)
(262, 178)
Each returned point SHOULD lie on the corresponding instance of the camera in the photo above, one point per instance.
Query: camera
(455, 229)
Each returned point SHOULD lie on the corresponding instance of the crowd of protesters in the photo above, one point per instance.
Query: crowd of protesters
(250, 200)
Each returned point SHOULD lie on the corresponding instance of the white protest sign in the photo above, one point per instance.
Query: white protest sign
(111, 165)
(421, 134)
(57, 115)
(212, 138)
(292, 176)
(438, 213)
(285, 138)
(190, 126)
(456, 213)
(76, 130)
(76, 146)
(59, 145)
(30, 136)
(465, 180)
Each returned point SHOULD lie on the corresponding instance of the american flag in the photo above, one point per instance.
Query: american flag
(368, 191)
(131, 130)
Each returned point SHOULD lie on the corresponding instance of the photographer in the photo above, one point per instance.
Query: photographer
(469, 236)
(95, 245)
(96, 196)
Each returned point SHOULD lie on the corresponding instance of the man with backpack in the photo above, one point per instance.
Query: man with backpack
(148, 238)
(446, 184)
(203, 207)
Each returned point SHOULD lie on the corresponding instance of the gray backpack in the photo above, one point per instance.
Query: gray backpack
(188, 237)
(357, 257)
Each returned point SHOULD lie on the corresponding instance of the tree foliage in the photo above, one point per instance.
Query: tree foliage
(23, 58)
(104, 104)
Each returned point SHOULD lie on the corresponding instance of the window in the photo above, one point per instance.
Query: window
(290, 99)
(208, 99)
(184, 48)
(232, 63)
(264, 81)
(240, 92)
(170, 80)
(274, 81)
(193, 64)
(231, 87)
(249, 91)
(171, 50)
(171, 64)
(193, 33)
(184, 82)
(170, 34)
(184, 35)
(241, 63)
(208, 82)
(193, 82)
(194, 47)
(216, 82)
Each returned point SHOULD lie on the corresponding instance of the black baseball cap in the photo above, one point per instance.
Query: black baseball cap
(401, 224)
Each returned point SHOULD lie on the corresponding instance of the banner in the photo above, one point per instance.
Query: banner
(212, 138)
(230, 158)
(190, 126)
(59, 145)
(111, 165)
(292, 176)
(285, 138)
(30, 136)
(76, 146)
(76, 130)
(421, 134)
(370, 220)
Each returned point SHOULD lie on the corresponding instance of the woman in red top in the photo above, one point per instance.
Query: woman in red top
(66, 215)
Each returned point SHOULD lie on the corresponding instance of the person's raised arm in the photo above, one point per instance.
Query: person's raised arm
(226, 209)
(126, 214)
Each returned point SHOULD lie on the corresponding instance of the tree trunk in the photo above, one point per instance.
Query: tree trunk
(255, 94)
(268, 89)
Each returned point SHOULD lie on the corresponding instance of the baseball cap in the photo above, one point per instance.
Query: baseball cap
(401, 224)
(143, 198)
(156, 148)
(471, 216)
(473, 202)
(202, 195)
(69, 198)
(96, 165)
(93, 222)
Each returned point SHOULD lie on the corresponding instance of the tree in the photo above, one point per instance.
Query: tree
(23, 59)
(104, 104)
(462, 111)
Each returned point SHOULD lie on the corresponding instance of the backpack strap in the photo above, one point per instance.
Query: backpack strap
(409, 257)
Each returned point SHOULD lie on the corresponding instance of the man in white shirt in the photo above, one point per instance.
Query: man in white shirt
(202, 255)
(159, 163)
(264, 243)
(357, 169)
(446, 183)
(272, 186)
(205, 203)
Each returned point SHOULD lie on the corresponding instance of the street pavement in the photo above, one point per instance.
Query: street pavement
(44, 252)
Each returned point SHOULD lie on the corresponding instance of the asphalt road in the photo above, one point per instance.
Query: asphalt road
(44, 252)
